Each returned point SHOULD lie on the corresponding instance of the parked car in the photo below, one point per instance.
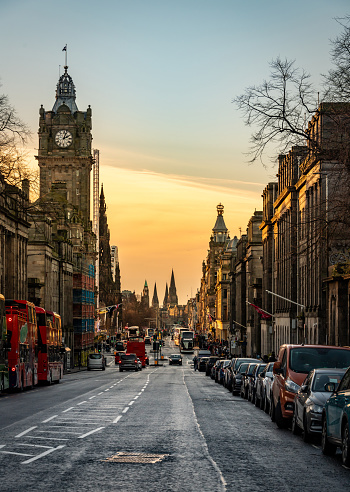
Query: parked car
(228, 375)
(237, 378)
(175, 359)
(210, 362)
(221, 372)
(246, 378)
(310, 400)
(202, 363)
(253, 380)
(336, 418)
(232, 369)
(214, 369)
(263, 387)
(128, 362)
(293, 365)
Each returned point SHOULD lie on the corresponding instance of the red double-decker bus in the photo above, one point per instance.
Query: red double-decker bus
(50, 360)
(22, 342)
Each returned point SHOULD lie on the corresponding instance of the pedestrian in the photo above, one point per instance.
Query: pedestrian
(195, 362)
(272, 357)
(265, 358)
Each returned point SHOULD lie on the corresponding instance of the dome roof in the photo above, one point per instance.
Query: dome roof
(65, 93)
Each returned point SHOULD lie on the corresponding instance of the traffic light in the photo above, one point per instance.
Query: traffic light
(99, 347)
(155, 346)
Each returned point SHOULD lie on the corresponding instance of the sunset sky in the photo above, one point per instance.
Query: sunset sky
(160, 76)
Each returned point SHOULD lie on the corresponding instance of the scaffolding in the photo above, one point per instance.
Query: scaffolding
(96, 217)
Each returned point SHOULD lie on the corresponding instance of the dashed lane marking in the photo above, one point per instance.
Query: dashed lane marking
(81, 403)
(67, 409)
(50, 418)
(131, 403)
(91, 397)
(91, 432)
(116, 420)
(26, 431)
(42, 455)
(18, 454)
(125, 409)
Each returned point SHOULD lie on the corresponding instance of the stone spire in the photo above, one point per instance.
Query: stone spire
(65, 93)
(172, 297)
(166, 295)
(155, 301)
(145, 295)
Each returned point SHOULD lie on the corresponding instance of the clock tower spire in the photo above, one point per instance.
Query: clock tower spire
(64, 154)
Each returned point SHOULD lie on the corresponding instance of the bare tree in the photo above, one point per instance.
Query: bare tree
(14, 135)
(278, 108)
(337, 81)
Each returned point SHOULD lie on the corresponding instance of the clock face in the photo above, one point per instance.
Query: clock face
(63, 138)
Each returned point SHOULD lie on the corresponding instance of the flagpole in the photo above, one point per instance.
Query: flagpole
(261, 309)
(285, 298)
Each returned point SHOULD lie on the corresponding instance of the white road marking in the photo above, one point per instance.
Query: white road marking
(2, 445)
(12, 452)
(117, 419)
(100, 393)
(107, 389)
(67, 410)
(81, 403)
(136, 397)
(26, 431)
(140, 393)
(33, 445)
(125, 409)
(42, 454)
(58, 432)
(91, 397)
(50, 438)
(91, 432)
(131, 403)
(50, 418)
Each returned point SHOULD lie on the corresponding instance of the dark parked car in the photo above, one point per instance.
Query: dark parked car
(215, 369)
(232, 369)
(202, 363)
(253, 380)
(310, 400)
(263, 387)
(245, 380)
(175, 359)
(336, 418)
(221, 373)
(211, 361)
(237, 378)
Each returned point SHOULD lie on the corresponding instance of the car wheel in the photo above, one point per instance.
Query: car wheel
(295, 427)
(256, 400)
(120, 370)
(280, 421)
(272, 410)
(262, 402)
(306, 433)
(327, 448)
(345, 447)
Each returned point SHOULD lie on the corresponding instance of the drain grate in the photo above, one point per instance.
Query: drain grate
(122, 457)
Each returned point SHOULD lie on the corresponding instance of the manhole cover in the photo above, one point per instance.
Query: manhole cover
(122, 457)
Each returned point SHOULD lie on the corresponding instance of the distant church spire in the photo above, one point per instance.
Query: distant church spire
(145, 295)
(165, 302)
(172, 297)
(155, 301)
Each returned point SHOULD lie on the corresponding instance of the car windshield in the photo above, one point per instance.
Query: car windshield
(95, 356)
(242, 368)
(260, 369)
(304, 359)
(175, 356)
(321, 379)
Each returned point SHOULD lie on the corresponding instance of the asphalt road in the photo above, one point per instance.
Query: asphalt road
(165, 428)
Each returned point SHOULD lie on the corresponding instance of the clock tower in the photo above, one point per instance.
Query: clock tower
(64, 154)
